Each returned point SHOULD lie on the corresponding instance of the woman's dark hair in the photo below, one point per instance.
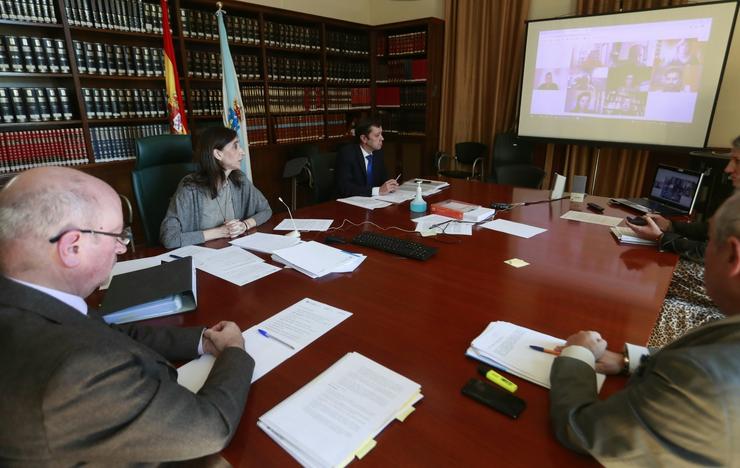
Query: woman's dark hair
(210, 173)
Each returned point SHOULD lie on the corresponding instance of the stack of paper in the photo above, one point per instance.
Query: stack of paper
(297, 327)
(369, 203)
(265, 243)
(315, 259)
(625, 235)
(507, 347)
(510, 227)
(399, 196)
(428, 187)
(236, 266)
(304, 224)
(337, 415)
(591, 218)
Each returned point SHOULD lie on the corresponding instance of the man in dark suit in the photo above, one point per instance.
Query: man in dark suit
(360, 167)
(682, 404)
(75, 390)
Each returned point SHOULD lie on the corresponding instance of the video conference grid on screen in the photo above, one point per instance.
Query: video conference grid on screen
(675, 187)
(641, 77)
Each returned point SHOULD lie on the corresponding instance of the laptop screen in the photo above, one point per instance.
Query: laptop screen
(675, 187)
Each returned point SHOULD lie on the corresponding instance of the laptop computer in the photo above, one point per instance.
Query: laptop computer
(674, 192)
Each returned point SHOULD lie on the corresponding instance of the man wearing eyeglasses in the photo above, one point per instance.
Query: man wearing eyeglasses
(75, 390)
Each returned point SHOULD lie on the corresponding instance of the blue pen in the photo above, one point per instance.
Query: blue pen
(267, 335)
(355, 254)
(175, 256)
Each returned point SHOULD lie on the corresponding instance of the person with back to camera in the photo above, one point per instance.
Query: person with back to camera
(681, 406)
(75, 390)
(216, 202)
(686, 304)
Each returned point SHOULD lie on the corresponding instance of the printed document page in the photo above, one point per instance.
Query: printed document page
(330, 419)
(304, 224)
(591, 218)
(368, 203)
(237, 266)
(516, 229)
(298, 325)
(264, 243)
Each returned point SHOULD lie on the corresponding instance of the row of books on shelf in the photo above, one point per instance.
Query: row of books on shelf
(401, 44)
(403, 70)
(111, 103)
(348, 73)
(290, 128)
(414, 96)
(32, 148)
(347, 43)
(284, 99)
(257, 130)
(23, 54)
(117, 15)
(292, 36)
(199, 24)
(117, 143)
(347, 98)
(96, 58)
(293, 69)
(35, 11)
(209, 102)
(20, 105)
(403, 122)
(203, 64)
(336, 125)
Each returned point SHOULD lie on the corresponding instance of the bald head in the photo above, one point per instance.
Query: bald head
(39, 204)
(726, 221)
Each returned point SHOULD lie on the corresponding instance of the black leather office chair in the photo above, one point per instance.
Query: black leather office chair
(161, 162)
(468, 153)
(512, 162)
(321, 176)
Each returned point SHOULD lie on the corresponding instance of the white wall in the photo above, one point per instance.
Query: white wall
(726, 123)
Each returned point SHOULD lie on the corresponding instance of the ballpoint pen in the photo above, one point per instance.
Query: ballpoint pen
(175, 256)
(398, 177)
(267, 335)
(545, 350)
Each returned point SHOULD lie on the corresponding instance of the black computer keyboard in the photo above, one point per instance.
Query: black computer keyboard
(394, 245)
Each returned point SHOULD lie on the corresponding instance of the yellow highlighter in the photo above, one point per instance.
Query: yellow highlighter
(497, 378)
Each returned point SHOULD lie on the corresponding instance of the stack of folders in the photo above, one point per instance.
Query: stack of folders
(507, 347)
(337, 416)
(316, 260)
(626, 235)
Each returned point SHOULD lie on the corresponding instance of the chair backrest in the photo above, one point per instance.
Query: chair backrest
(161, 162)
(519, 175)
(510, 149)
(322, 166)
(468, 151)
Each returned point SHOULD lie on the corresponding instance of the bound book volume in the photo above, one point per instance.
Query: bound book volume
(403, 70)
(34, 11)
(117, 15)
(289, 99)
(24, 54)
(291, 36)
(202, 25)
(96, 58)
(105, 103)
(297, 70)
(32, 148)
(343, 42)
(202, 64)
(209, 102)
(292, 128)
(347, 98)
(348, 73)
(117, 143)
(22, 105)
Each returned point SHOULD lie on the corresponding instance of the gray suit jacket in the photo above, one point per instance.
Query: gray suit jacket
(681, 407)
(77, 390)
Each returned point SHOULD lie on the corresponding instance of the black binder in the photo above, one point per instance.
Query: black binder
(158, 291)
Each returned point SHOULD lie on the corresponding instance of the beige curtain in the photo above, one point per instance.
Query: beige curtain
(619, 172)
(484, 46)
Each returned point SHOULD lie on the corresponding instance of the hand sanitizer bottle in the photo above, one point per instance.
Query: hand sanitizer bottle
(418, 205)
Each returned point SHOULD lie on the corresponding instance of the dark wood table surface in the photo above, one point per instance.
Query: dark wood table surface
(418, 318)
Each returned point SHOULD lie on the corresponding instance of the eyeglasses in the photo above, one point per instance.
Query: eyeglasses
(124, 237)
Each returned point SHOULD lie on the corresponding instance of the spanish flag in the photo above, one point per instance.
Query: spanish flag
(175, 109)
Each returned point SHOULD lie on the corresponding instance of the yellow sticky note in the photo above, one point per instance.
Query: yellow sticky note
(405, 413)
(516, 262)
(366, 447)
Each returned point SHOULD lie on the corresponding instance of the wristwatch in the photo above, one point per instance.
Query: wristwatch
(625, 363)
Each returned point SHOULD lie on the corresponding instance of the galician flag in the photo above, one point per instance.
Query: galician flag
(234, 116)
(175, 109)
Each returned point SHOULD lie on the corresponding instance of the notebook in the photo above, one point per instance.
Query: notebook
(674, 192)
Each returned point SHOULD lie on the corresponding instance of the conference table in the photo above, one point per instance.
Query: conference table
(418, 318)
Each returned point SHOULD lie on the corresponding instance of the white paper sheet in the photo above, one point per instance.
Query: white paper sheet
(313, 258)
(300, 325)
(304, 224)
(462, 229)
(199, 254)
(237, 266)
(368, 203)
(264, 243)
(591, 218)
(432, 219)
(399, 196)
(516, 229)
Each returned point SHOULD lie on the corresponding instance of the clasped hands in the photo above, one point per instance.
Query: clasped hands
(221, 336)
(607, 362)
(234, 228)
